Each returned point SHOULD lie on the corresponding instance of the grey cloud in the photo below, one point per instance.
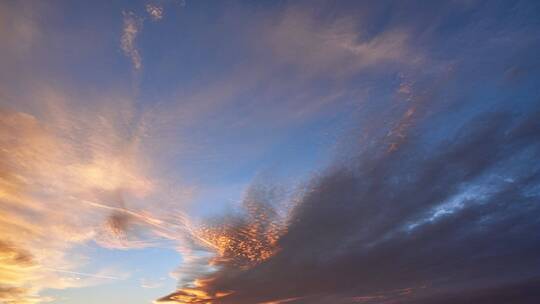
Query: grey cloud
(448, 214)
(424, 223)
(349, 234)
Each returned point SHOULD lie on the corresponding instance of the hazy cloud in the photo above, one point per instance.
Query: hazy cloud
(337, 46)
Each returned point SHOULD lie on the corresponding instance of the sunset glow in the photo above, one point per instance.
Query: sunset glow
(269, 152)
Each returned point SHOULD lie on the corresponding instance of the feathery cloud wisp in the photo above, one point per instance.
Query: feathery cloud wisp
(131, 27)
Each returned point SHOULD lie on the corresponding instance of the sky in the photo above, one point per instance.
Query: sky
(268, 152)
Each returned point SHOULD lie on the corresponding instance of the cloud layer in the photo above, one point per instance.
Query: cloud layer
(435, 197)
(413, 225)
(431, 197)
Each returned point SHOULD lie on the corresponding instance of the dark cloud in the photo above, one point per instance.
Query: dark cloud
(450, 215)
(418, 224)
(354, 232)
(118, 222)
(440, 202)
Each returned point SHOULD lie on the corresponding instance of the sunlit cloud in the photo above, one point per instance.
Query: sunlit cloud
(403, 138)
(51, 168)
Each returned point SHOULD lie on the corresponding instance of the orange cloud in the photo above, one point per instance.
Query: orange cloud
(53, 167)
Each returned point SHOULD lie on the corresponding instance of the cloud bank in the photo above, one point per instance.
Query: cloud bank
(454, 223)
(435, 198)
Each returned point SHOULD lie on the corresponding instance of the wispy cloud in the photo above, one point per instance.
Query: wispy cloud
(132, 25)
(51, 168)
(335, 47)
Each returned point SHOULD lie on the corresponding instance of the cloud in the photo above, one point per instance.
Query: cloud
(424, 211)
(56, 167)
(336, 46)
(351, 238)
(435, 200)
(13, 295)
(131, 28)
(155, 11)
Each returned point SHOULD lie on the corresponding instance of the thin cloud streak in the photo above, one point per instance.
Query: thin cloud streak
(92, 275)
(132, 26)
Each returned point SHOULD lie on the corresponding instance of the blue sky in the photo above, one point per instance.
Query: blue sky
(192, 151)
